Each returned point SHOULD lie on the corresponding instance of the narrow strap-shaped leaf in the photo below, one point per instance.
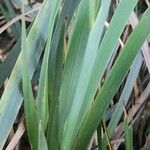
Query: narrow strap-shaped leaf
(76, 49)
(11, 99)
(94, 66)
(77, 45)
(128, 135)
(9, 62)
(29, 105)
(54, 86)
(7, 65)
(55, 67)
(107, 46)
(42, 95)
(134, 71)
(133, 20)
(77, 113)
(115, 78)
(42, 144)
(123, 100)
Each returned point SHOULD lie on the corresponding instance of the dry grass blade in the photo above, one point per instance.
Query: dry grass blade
(20, 131)
(147, 2)
(14, 20)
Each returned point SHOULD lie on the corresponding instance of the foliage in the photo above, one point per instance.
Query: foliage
(71, 49)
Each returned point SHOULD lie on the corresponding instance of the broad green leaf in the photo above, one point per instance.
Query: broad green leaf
(11, 99)
(114, 80)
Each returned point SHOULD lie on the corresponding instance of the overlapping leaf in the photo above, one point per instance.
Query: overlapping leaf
(11, 99)
(116, 75)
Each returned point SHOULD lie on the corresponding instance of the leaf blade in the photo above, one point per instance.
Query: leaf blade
(95, 113)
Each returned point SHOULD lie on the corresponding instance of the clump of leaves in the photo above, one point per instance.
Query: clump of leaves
(76, 49)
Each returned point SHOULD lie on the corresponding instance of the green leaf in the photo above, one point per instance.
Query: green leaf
(114, 80)
(76, 49)
(77, 112)
(42, 97)
(93, 67)
(124, 98)
(134, 71)
(7, 65)
(55, 70)
(107, 46)
(11, 99)
(29, 105)
(128, 135)
(42, 144)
